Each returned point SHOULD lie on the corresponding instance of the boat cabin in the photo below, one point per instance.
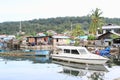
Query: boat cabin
(72, 50)
(78, 54)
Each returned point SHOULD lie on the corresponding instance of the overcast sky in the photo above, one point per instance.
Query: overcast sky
(20, 10)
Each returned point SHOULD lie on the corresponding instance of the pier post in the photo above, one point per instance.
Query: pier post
(119, 54)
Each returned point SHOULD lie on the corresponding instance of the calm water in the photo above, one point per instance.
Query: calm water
(41, 68)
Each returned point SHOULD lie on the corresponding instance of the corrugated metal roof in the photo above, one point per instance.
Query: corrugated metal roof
(111, 27)
(115, 33)
(108, 33)
(63, 37)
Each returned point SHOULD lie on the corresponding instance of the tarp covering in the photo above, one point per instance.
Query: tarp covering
(105, 52)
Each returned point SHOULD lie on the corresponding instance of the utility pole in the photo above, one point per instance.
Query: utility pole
(20, 28)
(71, 26)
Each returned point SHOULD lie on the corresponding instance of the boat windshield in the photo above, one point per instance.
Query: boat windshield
(82, 51)
(74, 52)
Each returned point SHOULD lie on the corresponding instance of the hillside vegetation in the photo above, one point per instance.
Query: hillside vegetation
(59, 24)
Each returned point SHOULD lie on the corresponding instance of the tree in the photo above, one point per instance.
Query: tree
(77, 31)
(96, 21)
(33, 34)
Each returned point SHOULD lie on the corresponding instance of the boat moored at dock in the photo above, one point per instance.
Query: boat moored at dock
(78, 54)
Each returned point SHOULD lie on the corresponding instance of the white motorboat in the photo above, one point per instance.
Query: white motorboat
(78, 54)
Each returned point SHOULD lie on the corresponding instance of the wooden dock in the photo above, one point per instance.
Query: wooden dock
(40, 47)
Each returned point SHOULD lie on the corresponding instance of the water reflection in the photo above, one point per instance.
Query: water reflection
(91, 75)
(73, 71)
(96, 76)
(43, 68)
(39, 59)
(91, 72)
(34, 59)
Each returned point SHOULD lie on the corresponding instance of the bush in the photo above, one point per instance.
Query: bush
(91, 37)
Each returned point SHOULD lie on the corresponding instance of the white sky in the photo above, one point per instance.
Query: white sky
(16, 10)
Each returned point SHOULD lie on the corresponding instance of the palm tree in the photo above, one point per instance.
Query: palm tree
(77, 31)
(96, 21)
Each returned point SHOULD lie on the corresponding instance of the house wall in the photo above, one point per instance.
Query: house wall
(43, 40)
(114, 30)
(31, 40)
(38, 40)
(109, 28)
(57, 41)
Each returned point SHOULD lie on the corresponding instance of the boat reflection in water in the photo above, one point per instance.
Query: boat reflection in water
(93, 72)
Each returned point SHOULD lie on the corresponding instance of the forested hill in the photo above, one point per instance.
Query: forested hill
(59, 24)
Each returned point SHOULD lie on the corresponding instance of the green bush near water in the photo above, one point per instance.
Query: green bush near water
(91, 37)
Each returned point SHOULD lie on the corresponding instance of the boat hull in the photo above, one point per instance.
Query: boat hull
(80, 60)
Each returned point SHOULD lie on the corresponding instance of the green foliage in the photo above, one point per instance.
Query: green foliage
(33, 33)
(58, 24)
(18, 37)
(50, 34)
(96, 21)
(77, 42)
(91, 37)
(77, 31)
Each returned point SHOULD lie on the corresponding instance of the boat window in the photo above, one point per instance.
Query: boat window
(74, 52)
(82, 51)
(66, 51)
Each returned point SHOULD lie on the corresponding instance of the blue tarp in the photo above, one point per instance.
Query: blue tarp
(105, 52)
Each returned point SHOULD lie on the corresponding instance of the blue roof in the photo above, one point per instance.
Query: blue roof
(82, 37)
(42, 35)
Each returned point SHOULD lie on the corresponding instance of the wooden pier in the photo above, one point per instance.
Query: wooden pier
(40, 47)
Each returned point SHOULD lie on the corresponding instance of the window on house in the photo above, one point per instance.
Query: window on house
(56, 40)
(108, 30)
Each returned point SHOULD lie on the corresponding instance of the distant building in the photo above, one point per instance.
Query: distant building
(106, 38)
(108, 28)
(40, 34)
(60, 40)
(11, 36)
(40, 40)
(51, 32)
(3, 36)
(7, 37)
(6, 40)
